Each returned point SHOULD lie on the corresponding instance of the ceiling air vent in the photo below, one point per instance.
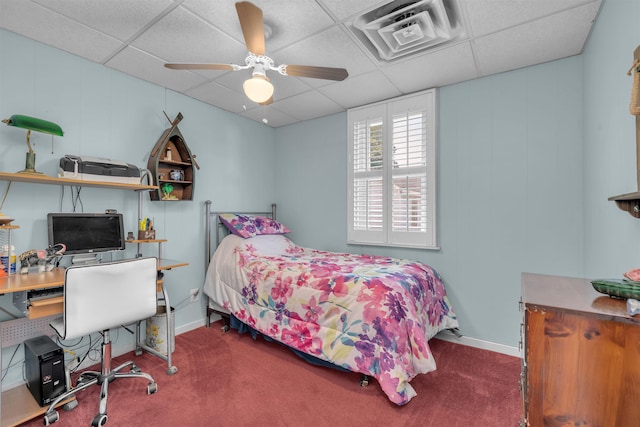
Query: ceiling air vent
(405, 27)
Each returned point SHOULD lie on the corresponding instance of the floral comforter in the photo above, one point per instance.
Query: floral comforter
(368, 314)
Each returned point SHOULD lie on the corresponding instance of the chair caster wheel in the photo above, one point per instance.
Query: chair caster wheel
(70, 406)
(99, 420)
(172, 370)
(225, 328)
(51, 418)
(152, 388)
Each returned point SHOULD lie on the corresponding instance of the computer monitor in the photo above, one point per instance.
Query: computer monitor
(86, 234)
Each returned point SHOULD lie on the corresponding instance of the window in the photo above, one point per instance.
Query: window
(392, 172)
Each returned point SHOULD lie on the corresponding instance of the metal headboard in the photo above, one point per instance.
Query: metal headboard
(216, 229)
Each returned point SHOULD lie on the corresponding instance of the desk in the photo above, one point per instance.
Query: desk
(11, 413)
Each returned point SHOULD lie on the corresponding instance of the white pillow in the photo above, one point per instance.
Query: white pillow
(269, 244)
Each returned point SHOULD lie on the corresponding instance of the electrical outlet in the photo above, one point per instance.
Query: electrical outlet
(194, 295)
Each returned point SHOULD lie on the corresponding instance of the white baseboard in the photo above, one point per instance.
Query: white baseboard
(190, 327)
(484, 345)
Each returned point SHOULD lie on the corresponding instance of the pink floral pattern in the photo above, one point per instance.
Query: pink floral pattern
(368, 314)
(250, 225)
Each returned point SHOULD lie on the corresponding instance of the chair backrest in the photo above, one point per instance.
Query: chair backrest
(103, 296)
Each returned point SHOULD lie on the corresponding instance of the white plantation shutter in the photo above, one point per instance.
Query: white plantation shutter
(392, 172)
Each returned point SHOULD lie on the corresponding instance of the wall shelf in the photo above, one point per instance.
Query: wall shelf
(629, 202)
(45, 179)
(170, 156)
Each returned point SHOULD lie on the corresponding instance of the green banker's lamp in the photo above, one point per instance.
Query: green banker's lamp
(38, 125)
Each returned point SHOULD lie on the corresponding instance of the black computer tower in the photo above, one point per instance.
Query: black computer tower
(44, 367)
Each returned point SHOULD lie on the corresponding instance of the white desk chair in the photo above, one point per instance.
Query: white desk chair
(97, 298)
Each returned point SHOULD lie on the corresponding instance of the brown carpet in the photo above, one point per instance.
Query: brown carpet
(228, 379)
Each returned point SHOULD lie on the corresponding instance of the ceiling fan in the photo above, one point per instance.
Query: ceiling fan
(258, 88)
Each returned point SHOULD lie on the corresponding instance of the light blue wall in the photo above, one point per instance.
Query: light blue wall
(106, 113)
(311, 181)
(510, 189)
(612, 239)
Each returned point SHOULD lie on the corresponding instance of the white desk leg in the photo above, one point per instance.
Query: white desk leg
(170, 332)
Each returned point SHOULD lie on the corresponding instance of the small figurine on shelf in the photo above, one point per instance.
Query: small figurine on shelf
(43, 259)
(167, 190)
(167, 154)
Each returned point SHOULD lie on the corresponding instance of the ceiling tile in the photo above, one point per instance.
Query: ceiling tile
(142, 65)
(308, 105)
(183, 37)
(546, 39)
(489, 16)
(273, 116)
(220, 96)
(435, 69)
(343, 9)
(120, 19)
(331, 48)
(290, 20)
(40, 24)
(356, 91)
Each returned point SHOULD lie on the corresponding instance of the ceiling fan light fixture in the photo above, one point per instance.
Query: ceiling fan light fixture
(258, 88)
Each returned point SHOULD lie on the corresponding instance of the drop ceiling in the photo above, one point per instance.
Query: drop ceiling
(138, 37)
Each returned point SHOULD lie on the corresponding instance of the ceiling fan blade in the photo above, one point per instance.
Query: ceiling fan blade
(252, 24)
(184, 66)
(327, 73)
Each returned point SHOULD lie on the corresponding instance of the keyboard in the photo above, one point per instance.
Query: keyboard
(39, 294)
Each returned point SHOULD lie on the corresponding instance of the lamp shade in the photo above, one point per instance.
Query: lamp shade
(258, 88)
(31, 123)
(37, 125)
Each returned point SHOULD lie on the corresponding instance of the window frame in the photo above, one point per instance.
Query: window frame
(386, 111)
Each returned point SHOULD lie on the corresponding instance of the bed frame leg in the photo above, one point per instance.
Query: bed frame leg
(208, 317)
(456, 332)
(226, 322)
(364, 380)
(226, 319)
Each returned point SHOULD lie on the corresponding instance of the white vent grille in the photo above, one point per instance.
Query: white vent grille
(405, 27)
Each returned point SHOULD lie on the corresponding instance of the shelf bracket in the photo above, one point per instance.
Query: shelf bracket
(630, 206)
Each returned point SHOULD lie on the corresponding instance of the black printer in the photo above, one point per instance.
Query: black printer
(98, 169)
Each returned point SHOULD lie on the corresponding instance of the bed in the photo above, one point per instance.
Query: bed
(368, 314)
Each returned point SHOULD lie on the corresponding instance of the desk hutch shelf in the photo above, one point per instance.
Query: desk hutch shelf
(45, 179)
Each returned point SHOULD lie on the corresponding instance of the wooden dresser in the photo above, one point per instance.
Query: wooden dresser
(581, 355)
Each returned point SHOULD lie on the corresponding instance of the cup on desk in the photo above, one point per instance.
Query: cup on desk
(146, 234)
(146, 230)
